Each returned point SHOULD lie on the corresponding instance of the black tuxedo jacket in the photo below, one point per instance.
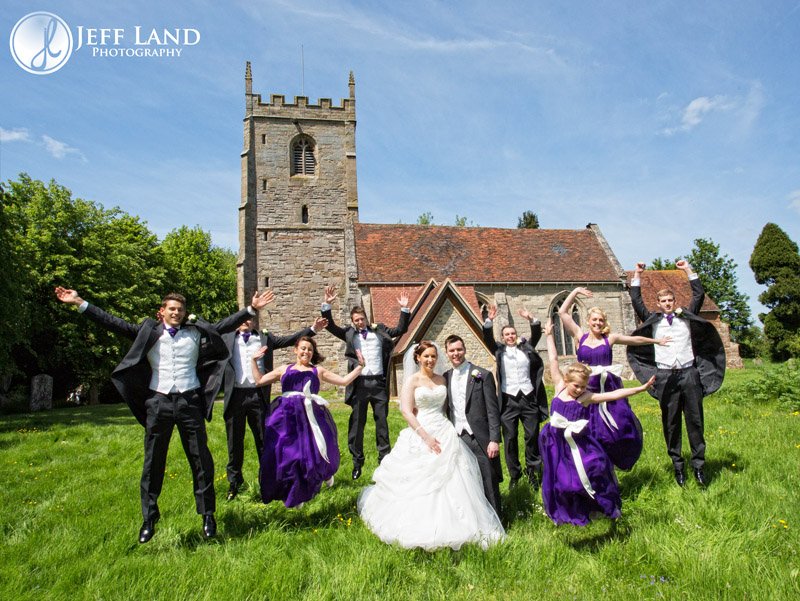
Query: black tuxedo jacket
(132, 376)
(537, 365)
(269, 340)
(709, 352)
(482, 410)
(385, 335)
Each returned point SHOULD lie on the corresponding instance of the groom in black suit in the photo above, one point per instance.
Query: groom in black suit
(691, 367)
(475, 412)
(170, 377)
(375, 342)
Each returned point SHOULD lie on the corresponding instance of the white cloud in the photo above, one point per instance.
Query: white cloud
(794, 200)
(14, 135)
(60, 149)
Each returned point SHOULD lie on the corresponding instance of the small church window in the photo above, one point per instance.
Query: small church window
(304, 214)
(303, 160)
(266, 282)
(264, 184)
(565, 344)
(263, 138)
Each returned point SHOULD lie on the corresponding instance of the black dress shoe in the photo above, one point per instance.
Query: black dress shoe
(356, 472)
(209, 526)
(533, 478)
(147, 531)
(700, 477)
(680, 477)
(233, 491)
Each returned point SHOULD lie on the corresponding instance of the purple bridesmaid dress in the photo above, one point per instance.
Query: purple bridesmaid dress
(613, 424)
(578, 480)
(293, 464)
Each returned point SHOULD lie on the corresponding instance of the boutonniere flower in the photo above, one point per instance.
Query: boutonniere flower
(191, 318)
(521, 341)
(476, 375)
(679, 312)
(373, 326)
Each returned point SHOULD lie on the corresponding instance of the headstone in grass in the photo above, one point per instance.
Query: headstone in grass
(41, 392)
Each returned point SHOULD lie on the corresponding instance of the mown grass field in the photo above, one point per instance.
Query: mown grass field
(70, 517)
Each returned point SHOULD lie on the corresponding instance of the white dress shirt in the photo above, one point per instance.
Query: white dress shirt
(516, 371)
(173, 361)
(458, 394)
(242, 357)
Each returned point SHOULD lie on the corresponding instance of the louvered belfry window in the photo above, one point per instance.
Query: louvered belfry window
(303, 160)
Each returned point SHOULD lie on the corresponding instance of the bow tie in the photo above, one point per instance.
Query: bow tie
(364, 334)
(246, 336)
(172, 331)
(670, 317)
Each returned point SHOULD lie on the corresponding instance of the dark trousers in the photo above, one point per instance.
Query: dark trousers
(682, 392)
(521, 408)
(369, 390)
(187, 412)
(245, 407)
(491, 487)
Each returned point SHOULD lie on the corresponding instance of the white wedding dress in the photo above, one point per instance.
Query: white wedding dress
(421, 499)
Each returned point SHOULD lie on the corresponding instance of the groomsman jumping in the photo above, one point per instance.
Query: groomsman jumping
(375, 342)
(170, 377)
(519, 372)
(691, 367)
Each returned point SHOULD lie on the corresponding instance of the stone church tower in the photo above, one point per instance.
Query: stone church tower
(298, 207)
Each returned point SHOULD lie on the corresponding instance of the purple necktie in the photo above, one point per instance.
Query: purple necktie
(670, 317)
(172, 331)
(246, 336)
(364, 334)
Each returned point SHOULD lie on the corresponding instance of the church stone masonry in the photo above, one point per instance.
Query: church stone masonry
(296, 230)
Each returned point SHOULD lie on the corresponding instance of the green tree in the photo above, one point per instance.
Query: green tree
(776, 264)
(205, 274)
(108, 255)
(529, 221)
(718, 274)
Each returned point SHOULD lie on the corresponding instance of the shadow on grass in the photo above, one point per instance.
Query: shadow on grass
(97, 415)
(587, 538)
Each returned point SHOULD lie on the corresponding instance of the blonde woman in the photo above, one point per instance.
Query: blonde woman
(614, 424)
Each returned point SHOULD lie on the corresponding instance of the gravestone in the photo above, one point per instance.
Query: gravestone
(41, 392)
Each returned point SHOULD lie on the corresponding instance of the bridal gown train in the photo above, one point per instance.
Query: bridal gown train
(421, 499)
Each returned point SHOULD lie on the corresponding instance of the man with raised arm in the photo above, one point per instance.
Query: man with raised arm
(519, 373)
(375, 341)
(170, 377)
(691, 367)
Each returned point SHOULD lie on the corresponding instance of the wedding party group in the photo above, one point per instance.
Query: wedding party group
(438, 485)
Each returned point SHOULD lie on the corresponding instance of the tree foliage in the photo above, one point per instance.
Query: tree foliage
(776, 264)
(203, 273)
(718, 274)
(529, 220)
(114, 261)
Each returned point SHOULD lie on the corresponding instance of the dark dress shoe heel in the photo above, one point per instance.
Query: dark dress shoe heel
(232, 492)
(680, 477)
(700, 476)
(147, 531)
(356, 473)
(209, 526)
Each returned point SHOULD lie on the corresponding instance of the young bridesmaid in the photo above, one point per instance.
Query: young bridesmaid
(578, 478)
(613, 424)
(300, 439)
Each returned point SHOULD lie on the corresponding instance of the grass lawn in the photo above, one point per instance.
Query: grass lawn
(71, 515)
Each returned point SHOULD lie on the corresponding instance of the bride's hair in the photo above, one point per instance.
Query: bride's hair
(422, 347)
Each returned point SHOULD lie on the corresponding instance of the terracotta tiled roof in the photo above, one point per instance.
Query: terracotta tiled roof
(415, 253)
(384, 302)
(652, 281)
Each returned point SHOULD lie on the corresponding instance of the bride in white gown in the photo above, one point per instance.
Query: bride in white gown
(428, 491)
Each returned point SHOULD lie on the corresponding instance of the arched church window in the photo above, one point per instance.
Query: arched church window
(303, 160)
(565, 345)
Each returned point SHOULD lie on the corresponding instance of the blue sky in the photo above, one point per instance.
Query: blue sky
(660, 121)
